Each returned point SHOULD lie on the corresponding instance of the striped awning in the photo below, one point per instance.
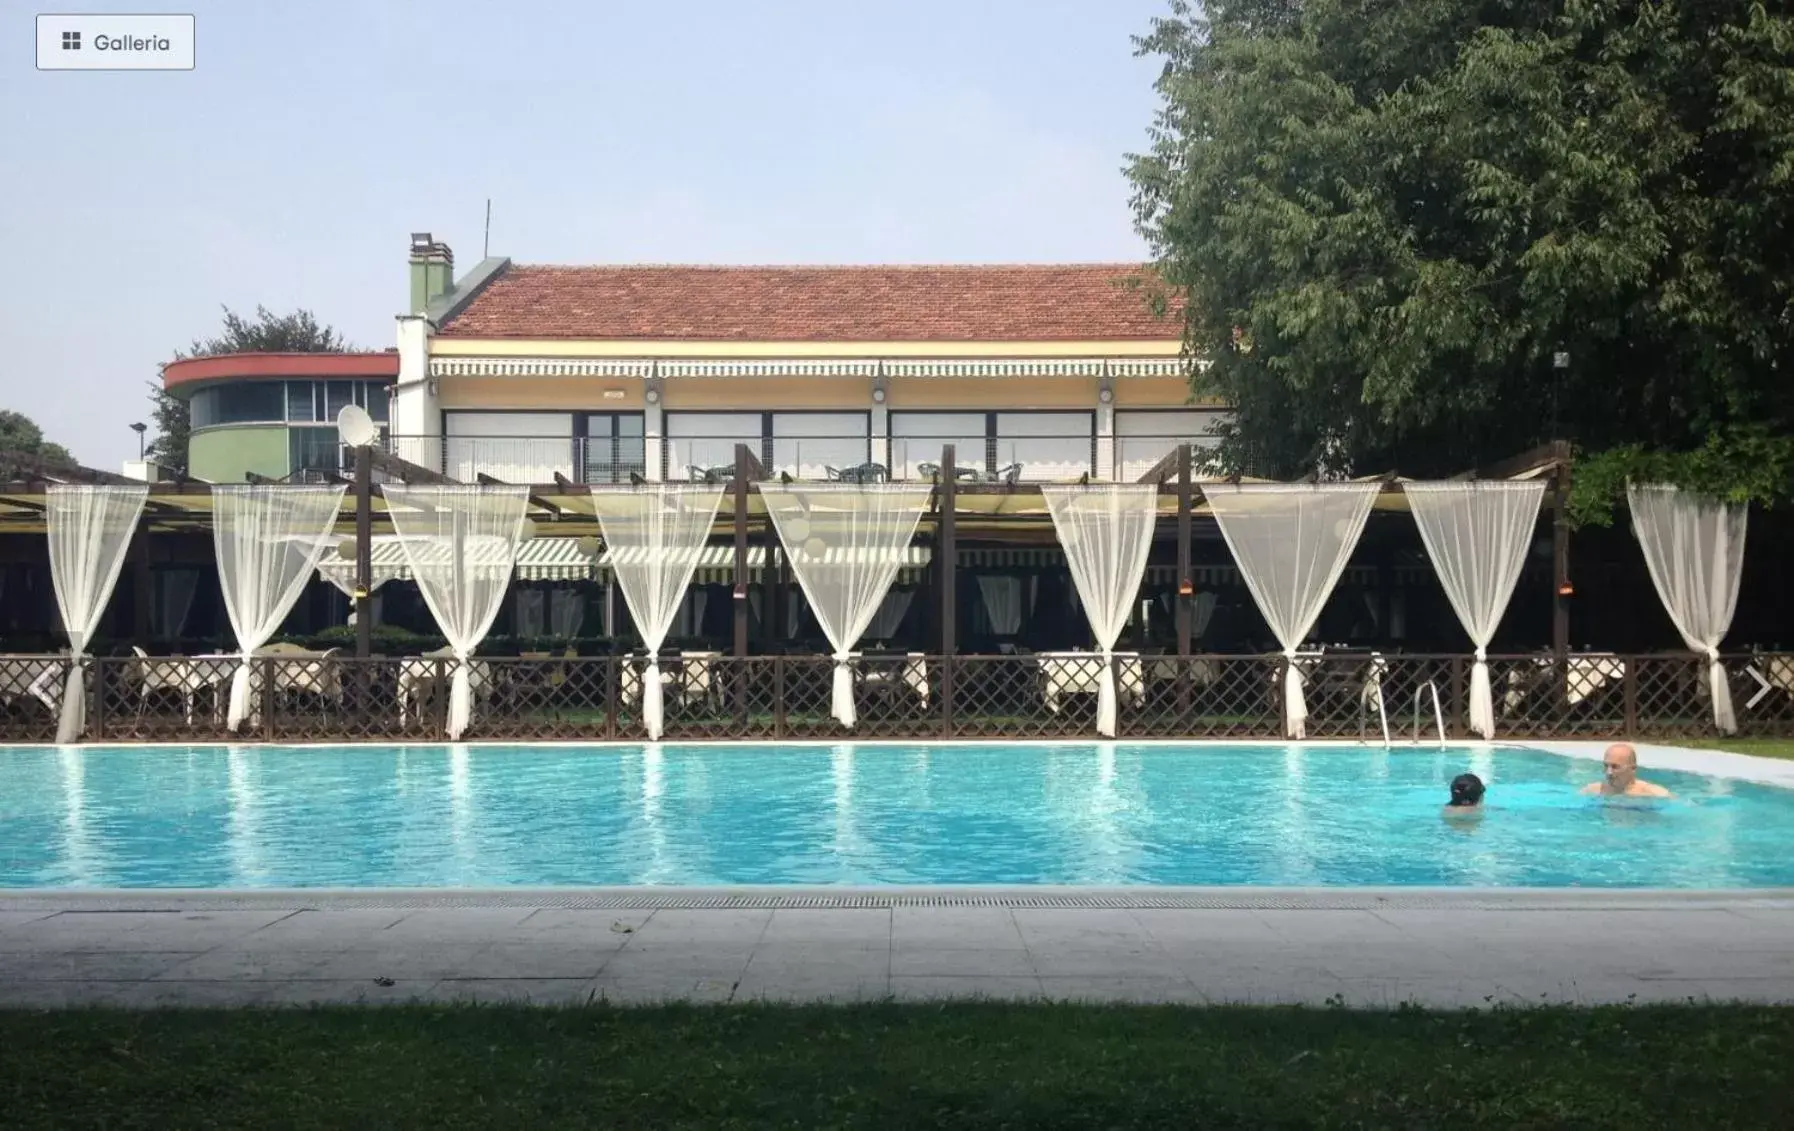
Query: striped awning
(539, 559)
(716, 564)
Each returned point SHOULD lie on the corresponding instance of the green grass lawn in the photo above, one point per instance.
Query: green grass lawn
(970, 1065)
(1761, 747)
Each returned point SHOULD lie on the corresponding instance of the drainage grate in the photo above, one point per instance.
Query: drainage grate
(698, 899)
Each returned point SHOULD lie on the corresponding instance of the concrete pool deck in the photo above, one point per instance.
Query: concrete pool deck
(1361, 947)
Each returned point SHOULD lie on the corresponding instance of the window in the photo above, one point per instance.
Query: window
(517, 447)
(313, 449)
(615, 445)
(245, 403)
(918, 437)
(1142, 438)
(338, 395)
(807, 444)
(708, 439)
(301, 405)
(374, 398)
(1048, 445)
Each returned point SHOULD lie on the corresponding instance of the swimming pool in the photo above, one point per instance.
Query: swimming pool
(875, 813)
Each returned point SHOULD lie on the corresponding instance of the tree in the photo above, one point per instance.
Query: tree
(1388, 220)
(298, 332)
(20, 435)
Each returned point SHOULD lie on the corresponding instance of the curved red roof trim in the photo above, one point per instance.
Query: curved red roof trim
(275, 366)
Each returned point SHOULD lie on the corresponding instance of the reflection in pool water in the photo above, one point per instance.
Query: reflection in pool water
(883, 813)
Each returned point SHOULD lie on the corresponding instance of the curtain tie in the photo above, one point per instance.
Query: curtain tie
(1482, 654)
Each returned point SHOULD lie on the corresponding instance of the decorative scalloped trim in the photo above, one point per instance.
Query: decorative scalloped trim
(642, 368)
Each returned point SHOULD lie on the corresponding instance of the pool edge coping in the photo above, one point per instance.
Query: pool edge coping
(892, 897)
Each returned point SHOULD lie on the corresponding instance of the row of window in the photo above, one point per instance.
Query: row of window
(606, 447)
(276, 402)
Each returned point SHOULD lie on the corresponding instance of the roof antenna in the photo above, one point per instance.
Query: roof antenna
(486, 243)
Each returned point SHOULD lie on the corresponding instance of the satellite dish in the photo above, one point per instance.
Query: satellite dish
(355, 428)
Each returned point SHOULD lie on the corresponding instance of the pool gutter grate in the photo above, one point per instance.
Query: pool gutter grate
(701, 899)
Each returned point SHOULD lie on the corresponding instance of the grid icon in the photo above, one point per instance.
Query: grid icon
(71, 41)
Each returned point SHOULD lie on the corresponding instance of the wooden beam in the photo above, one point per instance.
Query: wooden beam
(404, 470)
(554, 511)
(1545, 457)
(1164, 469)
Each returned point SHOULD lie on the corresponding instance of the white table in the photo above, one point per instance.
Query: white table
(417, 675)
(37, 676)
(912, 674)
(1164, 669)
(1062, 673)
(687, 679)
(1589, 672)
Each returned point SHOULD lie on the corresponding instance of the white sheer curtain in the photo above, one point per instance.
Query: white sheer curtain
(89, 529)
(889, 617)
(461, 543)
(846, 542)
(655, 534)
(1202, 613)
(1002, 595)
(1477, 534)
(1694, 547)
(1292, 542)
(268, 539)
(1106, 532)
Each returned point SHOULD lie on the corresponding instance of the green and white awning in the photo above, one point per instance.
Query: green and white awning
(539, 559)
(716, 564)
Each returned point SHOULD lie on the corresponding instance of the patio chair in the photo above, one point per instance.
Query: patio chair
(1008, 476)
(933, 471)
(717, 473)
(868, 472)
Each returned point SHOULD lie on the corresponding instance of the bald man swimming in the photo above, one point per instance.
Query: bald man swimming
(1620, 775)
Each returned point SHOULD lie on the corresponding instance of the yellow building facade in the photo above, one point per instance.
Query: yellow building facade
(1034, 373)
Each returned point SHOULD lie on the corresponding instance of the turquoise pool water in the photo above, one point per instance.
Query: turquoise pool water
(896, 813)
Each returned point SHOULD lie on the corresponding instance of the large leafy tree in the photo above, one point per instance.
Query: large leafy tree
(267, 332)
(1390, 219)
(20, 435)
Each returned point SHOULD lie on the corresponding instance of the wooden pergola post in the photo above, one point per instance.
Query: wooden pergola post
(743, 470)
(949, 552)
(364, 552)
(1560, 565)
(772, 591)
(142, 592)
(1186, 593)
(1185, 589)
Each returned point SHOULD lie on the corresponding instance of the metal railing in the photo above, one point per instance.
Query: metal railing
(526, 459)
(603, 459)
(333, 698)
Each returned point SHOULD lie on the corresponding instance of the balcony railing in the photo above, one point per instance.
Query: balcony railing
(525, 459)
(1023, 459)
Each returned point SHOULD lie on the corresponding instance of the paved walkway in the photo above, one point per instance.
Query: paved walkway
(1438, 949)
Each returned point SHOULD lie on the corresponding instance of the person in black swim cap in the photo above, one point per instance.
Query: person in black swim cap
(1466, 797)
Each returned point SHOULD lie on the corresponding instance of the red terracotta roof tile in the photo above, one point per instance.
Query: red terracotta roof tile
(1024, 302)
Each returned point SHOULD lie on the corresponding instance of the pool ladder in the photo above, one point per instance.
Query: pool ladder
(1438, 716)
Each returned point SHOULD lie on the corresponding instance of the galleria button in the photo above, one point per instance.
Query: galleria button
(114, 43)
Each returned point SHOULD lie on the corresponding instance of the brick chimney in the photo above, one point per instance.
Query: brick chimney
(432, 271)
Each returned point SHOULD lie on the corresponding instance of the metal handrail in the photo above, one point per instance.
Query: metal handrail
(1438, 715)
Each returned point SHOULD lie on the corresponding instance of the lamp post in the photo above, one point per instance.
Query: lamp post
(140, 428)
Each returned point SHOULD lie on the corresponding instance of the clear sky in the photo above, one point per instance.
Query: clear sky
(290, 166)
